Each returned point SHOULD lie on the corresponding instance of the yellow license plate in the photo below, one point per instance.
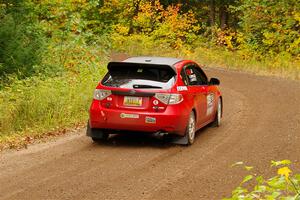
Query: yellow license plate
(133, 101)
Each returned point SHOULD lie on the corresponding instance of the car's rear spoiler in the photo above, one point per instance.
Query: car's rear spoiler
(137, 65)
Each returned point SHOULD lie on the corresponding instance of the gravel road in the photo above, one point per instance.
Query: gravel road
(261, 123)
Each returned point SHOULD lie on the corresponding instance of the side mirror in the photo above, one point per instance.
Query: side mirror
(214, 81)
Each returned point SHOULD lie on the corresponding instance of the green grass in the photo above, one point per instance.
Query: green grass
(35, 106)
(39, 105)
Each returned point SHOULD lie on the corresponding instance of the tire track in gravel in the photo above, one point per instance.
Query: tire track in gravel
(172, 168)
(267, 136)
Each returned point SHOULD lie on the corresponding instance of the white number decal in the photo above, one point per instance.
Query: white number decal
(210, 103)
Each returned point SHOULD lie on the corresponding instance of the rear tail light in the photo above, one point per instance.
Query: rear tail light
(175, 99)
(169, 99)
(101, 94)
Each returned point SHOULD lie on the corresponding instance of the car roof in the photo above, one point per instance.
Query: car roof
(153, 60)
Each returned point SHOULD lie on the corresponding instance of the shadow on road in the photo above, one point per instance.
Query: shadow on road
(140, 139)
(135, 140)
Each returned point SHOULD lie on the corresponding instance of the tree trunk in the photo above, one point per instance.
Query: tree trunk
(223, 13)
(136, 6)
(212, 12)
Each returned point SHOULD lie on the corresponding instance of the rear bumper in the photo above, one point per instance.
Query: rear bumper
(172, 120)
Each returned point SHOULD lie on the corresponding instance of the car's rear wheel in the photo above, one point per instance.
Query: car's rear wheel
(218, 116)
(103, 138)
(191, 129)
(97, 135)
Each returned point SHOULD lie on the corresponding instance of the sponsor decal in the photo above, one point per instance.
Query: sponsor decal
(210, 103)
(155, 102)
(158, 108)
(132, 116)
(181, 88)
(150, 120)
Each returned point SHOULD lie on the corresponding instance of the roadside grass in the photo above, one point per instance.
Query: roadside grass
(32, 107)
(282, 185)
(39, 106)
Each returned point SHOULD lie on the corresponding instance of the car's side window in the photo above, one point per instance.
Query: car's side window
(183, 77)
(201, 77)
(191, 75)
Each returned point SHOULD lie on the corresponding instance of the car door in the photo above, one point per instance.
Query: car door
(209, 94)
(198, 89)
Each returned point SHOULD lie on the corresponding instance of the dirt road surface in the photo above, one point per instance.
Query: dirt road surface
(261, 123)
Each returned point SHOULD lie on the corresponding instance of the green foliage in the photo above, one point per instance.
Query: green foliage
(37, 105)
(165, 25)
(51, 50)
(283, 186)
(270, 27)
(31, 31)
(21, 40)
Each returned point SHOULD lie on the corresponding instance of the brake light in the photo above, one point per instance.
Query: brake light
(169, 99)
(101, 94)
(175, 99)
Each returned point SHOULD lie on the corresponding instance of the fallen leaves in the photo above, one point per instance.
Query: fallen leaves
(22, 141)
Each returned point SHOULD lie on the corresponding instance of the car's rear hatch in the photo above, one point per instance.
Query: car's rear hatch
(137, 87)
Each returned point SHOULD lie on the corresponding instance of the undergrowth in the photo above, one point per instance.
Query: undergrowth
(281, 65)
(285, 185)
(41, 104)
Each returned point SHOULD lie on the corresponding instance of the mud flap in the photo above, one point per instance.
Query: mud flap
(183, 140)
(94, 133)
(88, 130)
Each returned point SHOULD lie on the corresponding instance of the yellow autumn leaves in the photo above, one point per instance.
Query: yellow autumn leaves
(282, 186)
(284, 171)
(165, 24)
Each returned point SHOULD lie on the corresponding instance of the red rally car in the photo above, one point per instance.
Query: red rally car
(156, 95)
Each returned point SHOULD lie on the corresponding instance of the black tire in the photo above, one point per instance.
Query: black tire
(99, 140)
(191, 129)
(97, 135)
(218, 116)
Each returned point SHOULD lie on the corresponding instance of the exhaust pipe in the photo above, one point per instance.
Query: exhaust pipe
(160, 134)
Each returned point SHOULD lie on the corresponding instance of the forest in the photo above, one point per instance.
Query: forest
(53, 52)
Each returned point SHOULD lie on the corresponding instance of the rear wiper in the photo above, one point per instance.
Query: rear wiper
(146, 86)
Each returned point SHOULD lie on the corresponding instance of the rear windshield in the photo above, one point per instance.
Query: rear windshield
(145, 76)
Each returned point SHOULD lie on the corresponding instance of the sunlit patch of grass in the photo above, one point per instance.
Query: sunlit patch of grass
(37, 106)
(277, 66)
(45, 105)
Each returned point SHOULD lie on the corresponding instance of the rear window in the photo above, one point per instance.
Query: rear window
(131, 75)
